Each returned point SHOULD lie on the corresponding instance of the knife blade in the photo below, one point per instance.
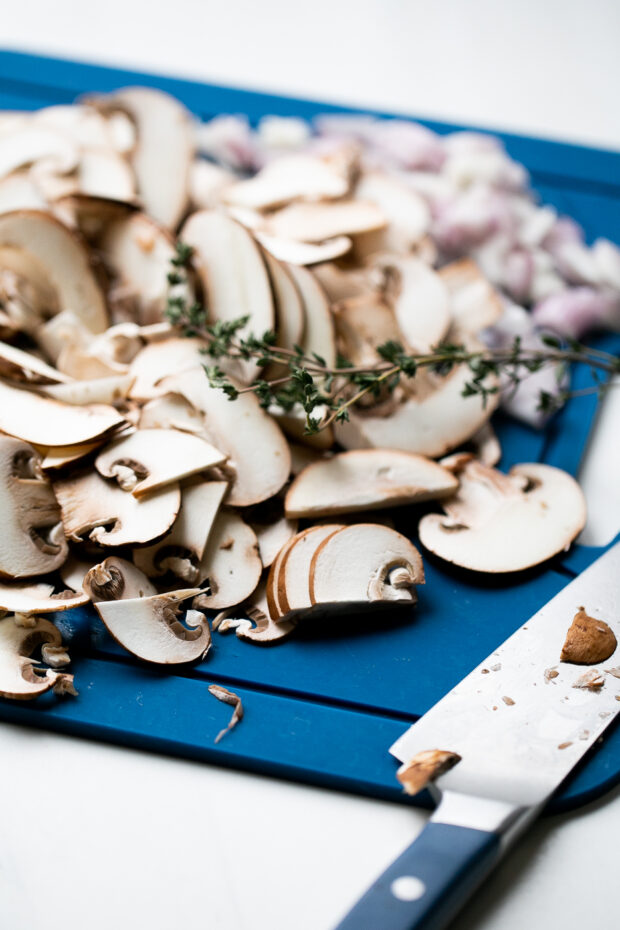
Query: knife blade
(520, 729)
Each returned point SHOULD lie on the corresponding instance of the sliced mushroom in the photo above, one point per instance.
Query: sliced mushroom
(231, 565)
(208, 184)
(366, 480)
(431, 422)
(30, 144)
(319, 335)
(293, 577)
(475, 304)
(294, 177)
(32, 540)
(182, 549)
(316, 222)
(138, 252)
(20, 192)
(62, 330)
(342, 283)
(47, 422)
(272, 537)
(38, 244)
(116, 579)
(362, 324)
(100, 391)
(164, 151)
(150, 628)
(304, 253)
(406, 211)
(24, 366)
(31, 597)
(504, 523)
(152, 458)
(160, 359)
(233, 276)
(59, 456)
(109, 516)
(258, 455)
(21, 677)
(289, 308)
(420, 299)
(256, 625)
(365, 562)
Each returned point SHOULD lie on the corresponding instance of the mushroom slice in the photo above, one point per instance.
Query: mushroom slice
(366, 480)
(365, 562)
(342, 283)
(152, 458)
(31, 597)
(233, 276)
(420, 298)
(149, 627)
(21, 677)
(208, 183)
(59, 456)
(475, 304)
(319, 335)
(164, 151)
(138, 252)
(36, 145)
(272, 537)
(230, 565)
(41, 244)
(316, 222)
(61, 331)
(293, 177)
(258, 454)
(32, 540)
(104, 173)
(116, 579)
(362, 324)
(487, 445)
(47, 422)
(254, 623)
(109, 390)
(92, 506)
(407, 212)
(289, 308)
(171, 411)
(160, 359)
(23, 366)
(430, 423)
(304, 253)
(505, 523)
(20, 192)
(182, 549)
(293, 580)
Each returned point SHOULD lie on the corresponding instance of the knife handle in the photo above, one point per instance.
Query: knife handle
(428, 883)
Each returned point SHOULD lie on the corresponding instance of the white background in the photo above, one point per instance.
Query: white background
(94, 836)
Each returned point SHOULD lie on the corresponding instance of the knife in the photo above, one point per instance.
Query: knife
(519, 733)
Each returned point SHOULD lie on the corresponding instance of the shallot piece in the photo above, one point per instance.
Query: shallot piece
(576, 311)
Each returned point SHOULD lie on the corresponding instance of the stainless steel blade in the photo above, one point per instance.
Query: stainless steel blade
(520, 732)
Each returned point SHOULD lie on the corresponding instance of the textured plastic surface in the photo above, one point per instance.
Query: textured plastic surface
(325, 706)
(443, 866)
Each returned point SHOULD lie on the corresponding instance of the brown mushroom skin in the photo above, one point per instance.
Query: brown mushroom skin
(588, 641)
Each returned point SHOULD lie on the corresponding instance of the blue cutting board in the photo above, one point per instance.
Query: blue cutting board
(325, 706)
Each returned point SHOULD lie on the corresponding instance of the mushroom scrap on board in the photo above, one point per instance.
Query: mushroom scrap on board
(129, 480)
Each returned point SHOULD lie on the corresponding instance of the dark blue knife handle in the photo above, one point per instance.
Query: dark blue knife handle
(425, 887)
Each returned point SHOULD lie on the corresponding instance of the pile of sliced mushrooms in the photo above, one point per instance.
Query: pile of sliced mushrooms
(127, 481)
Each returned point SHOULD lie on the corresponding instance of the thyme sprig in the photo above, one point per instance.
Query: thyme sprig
(326, 393)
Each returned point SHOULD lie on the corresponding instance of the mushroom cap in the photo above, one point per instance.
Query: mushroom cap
(32, 597)
(354, 566)
(230, 563)
(157, 457)
(51, 251)
(48, 422)
(233, 275)
(181, 550)
(164, 151)
(18, 678)
(505, 523)
(432, 424)
(148, 627)
(258, 453)
(113, 517)
(116, 579)
(32, 541)
(366, 479)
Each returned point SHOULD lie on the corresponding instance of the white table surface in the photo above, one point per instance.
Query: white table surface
(96, 836)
